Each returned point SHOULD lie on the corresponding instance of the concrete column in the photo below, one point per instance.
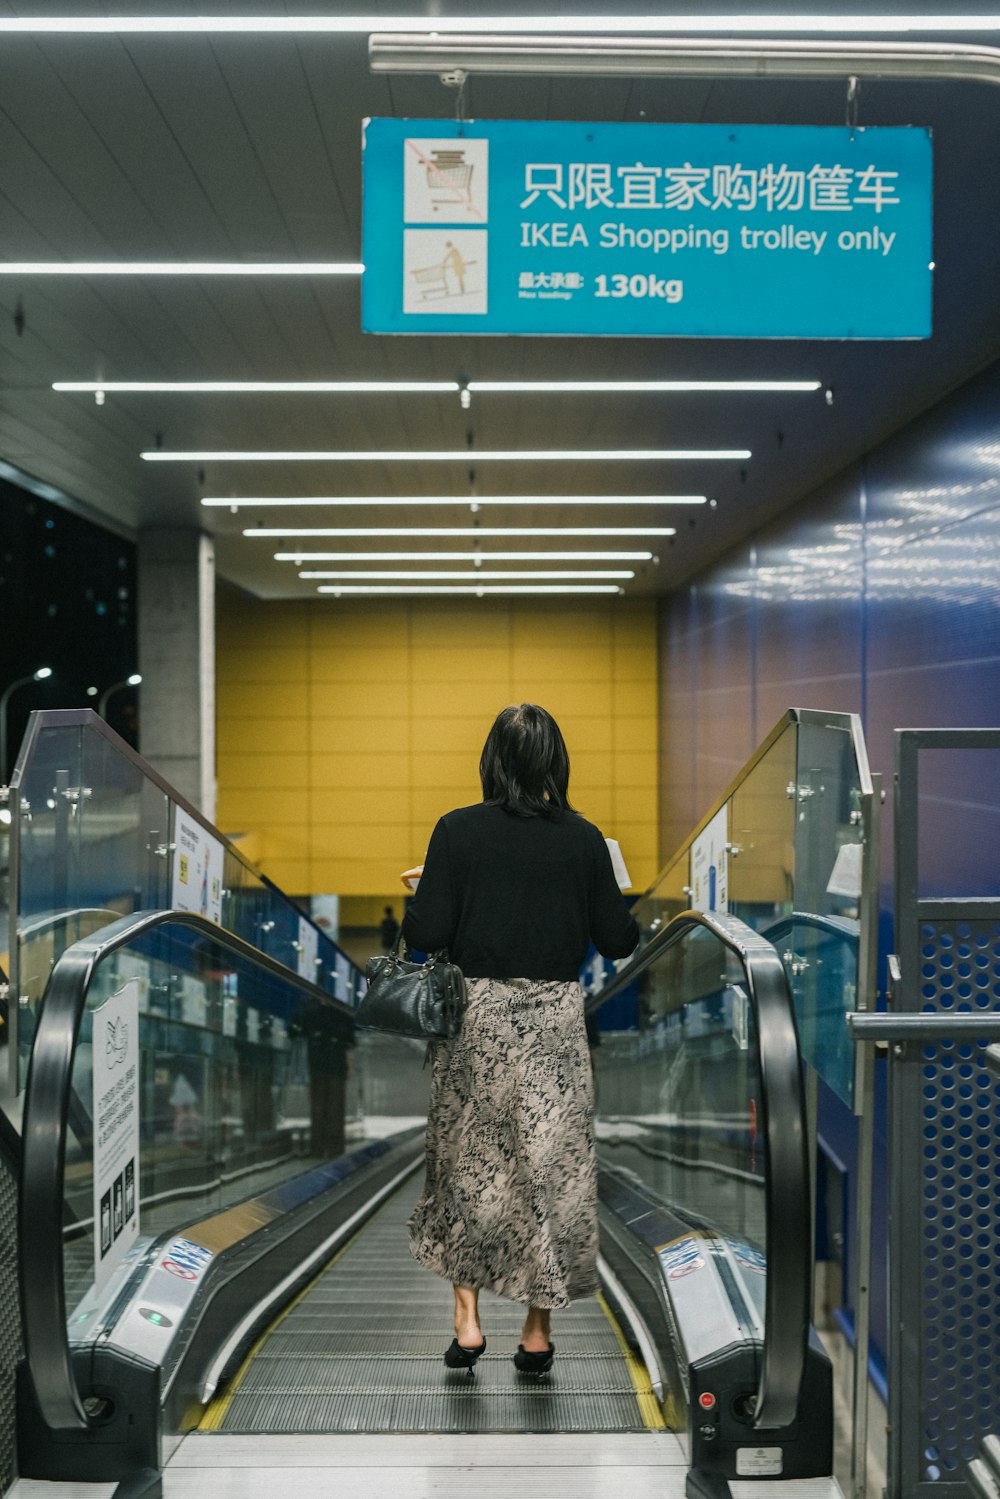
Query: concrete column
(176, 586)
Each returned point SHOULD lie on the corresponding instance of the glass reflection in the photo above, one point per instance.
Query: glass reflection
(680, 1099)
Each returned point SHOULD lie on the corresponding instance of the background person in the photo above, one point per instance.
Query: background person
(515, 887)
(388, 930)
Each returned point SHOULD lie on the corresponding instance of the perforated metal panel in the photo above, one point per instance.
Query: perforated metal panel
(944, 1125)
(10, 1316)
(960, 1204)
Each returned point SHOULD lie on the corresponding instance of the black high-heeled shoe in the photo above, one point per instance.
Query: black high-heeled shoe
(535, 1364)
(457, 1357)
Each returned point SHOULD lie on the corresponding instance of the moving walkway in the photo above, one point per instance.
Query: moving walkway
(268, 1288)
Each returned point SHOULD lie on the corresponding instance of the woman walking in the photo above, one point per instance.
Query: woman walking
(515, 887)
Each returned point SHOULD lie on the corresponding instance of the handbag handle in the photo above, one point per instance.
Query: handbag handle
(399, 951)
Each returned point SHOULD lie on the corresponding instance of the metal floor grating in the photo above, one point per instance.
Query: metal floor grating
(362, 1352)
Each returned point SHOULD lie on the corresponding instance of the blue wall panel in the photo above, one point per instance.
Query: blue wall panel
(878, 594)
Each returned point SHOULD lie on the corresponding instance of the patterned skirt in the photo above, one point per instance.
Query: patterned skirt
(510, 1201)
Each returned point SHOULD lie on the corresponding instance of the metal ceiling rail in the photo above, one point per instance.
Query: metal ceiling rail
(680, 57)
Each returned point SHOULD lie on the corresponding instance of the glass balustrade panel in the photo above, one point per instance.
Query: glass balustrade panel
(679, 1102)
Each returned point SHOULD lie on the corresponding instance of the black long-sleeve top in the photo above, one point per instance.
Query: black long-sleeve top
(518, 897)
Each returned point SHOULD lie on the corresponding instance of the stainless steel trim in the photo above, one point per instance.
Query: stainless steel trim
(643, 1336)
(929, 1027)
(682, 57)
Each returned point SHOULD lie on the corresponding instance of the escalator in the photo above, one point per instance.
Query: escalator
(279, 1296)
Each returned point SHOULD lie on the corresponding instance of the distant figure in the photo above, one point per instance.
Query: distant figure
(456, 263)
(516, 888)
(389, 930)
(329, 1034)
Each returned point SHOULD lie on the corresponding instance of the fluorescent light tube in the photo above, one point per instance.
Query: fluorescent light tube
(515, 387)
(179, 268)
(403, 574)
(254, 387)
(422, 387)
(459, 455)
(236, 502)
(362, 25)
(339, 588)
(469, 556)
(269, 532)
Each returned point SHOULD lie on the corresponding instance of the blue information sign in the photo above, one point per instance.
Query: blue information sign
(742, 231)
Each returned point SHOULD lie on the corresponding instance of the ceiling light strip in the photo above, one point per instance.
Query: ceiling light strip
(461, 455)
(238, 502)
(270, 532)
(179, 268)
(256, 387)
(338, 588)
(467, 556)
(460, 575)
(425, 387)
(362, 25)
(586, 387)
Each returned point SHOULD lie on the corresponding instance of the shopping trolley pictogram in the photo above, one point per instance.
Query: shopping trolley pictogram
(450, 175)
(433, 279)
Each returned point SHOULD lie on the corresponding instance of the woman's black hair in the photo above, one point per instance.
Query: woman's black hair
(524, 766)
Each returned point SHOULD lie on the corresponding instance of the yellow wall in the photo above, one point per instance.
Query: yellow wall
(345, 731)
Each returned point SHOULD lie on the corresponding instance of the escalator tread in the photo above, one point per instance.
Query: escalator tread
(361, 1351)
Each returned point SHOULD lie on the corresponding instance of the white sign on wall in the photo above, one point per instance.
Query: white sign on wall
(308, 950)
(115, 1115)
(198, 860)
(710, 865)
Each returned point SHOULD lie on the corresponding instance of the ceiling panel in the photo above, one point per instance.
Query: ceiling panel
(249, 148)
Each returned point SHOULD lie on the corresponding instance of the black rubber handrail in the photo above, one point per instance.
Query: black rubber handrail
(43, 1143)
(788, 1213)
(847, 927)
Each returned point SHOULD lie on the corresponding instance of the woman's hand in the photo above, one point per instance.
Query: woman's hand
(411, 874)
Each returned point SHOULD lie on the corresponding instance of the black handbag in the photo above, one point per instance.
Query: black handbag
(413, 999)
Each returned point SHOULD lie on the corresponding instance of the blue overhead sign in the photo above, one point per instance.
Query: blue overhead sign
(717, 231)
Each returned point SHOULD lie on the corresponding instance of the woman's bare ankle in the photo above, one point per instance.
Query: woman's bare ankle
(536, 1332)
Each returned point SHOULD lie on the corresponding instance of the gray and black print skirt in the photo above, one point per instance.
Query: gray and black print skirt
(510, 1202)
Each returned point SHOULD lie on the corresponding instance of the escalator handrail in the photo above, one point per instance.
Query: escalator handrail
(847, 927)
(788, 1214)
(43, 1142)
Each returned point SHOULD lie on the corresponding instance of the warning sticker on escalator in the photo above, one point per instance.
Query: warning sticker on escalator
(115, 1104)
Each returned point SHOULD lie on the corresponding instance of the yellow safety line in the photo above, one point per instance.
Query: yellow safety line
(649, 1406)
(217, 1410)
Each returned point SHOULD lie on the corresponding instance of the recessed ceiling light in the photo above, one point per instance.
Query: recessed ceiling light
(583, 387)
(460, 575)
(269, 532)
(253, 387)
(360, 24)
(460, 455)
(341, 588)
(178, 268)
(468, 556)
(236, 502)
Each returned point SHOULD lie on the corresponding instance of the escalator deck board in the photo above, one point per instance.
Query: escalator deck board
(361, 1351)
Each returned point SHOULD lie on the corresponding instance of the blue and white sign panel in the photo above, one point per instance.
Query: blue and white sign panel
(743, 231)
